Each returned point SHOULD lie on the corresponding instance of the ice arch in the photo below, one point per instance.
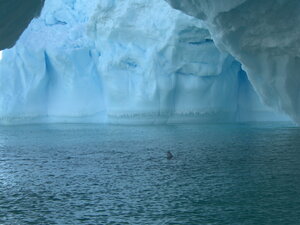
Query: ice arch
(265, 37)
(141, 62)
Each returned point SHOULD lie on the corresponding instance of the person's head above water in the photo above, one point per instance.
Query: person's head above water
(169, 155)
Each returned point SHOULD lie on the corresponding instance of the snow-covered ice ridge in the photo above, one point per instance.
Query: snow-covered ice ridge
(265, 37)
(125, 61)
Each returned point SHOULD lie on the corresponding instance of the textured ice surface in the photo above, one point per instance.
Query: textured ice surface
(142, 61)
(265, 37)
(50, 75)
(15, 15)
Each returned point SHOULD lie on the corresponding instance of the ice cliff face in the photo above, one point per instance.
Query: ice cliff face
(158, 64)
(122, 61)
(15, 15)
(51, 74)
(265, 37)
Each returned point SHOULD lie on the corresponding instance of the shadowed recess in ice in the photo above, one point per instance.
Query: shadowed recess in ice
(265, 37)
(122, 62)
(15, 15)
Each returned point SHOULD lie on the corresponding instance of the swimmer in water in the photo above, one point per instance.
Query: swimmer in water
(169, 155)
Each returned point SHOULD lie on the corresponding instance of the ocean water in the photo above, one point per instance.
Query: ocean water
(96, 174)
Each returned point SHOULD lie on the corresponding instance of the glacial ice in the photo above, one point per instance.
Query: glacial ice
(51, 75)
(265, 37)
(122, 62)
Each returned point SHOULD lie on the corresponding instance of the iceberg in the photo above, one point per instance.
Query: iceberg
(265, 37)
(50, 75)
(133, 61)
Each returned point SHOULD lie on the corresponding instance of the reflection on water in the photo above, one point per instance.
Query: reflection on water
(91, 174)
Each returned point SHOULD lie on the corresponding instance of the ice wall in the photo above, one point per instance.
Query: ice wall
(15, 15)
(141, 62)
(51, 75)
(265, 37)
(154, 65)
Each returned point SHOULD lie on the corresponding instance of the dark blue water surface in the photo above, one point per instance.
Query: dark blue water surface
(96, 174)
